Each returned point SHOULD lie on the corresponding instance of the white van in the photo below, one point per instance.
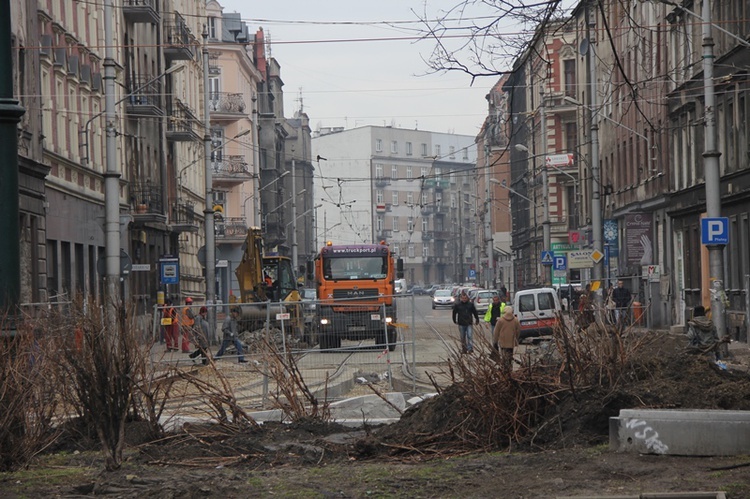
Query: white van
(537, 311)
(399, 286)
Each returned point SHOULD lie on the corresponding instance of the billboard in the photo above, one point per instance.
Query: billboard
(638, 245)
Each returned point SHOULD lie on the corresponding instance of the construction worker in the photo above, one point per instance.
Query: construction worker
(186, 324)
(494, 311)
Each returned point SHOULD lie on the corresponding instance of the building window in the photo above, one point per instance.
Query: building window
(410, 224)
(569, 68)
(378, 170)
(394, 198)
(395, 249)
(212, 28)
(379, 196)
(453, 178)
(424, 150)
(394, 172)
(394, 146)
(424, 171)
(452, 152)
(466, 153)
(437, 150)
(394, 221)
(408, 172)
(411, 251)
(425, 225)
(410, 198)
(424, 199)
(408, 148)
(453, 200)
(425, 250)
(378, 145)
(379, 223)
(571, 137)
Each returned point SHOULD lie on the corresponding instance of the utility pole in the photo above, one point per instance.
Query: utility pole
(546, 269)
(294, 215)
(596, 202)
(713, 175)
(208, 211)
(10, 115)
(111, 175)
(490, 278)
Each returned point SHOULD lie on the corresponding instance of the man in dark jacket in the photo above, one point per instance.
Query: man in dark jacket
(621, 297)
(465, 314)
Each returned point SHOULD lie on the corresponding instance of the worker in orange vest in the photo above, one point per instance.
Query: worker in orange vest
(171, 323)
(186, 324)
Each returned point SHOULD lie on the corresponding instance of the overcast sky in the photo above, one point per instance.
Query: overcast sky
(355, 83)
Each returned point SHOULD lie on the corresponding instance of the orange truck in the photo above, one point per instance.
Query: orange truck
(355, 289)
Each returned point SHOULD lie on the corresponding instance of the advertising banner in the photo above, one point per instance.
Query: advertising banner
(638, 245)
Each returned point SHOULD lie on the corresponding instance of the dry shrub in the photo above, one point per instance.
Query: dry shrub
(27, 397)
(486, 407)
(291, 394)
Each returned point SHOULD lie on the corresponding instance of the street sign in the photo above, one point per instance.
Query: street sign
(560, 159)
(715, 231)
(472, 274)
(580, 259)
(547, 258)
(561, 262)
(169, 270)
(285, 316)
(597, 256)
(141, 267)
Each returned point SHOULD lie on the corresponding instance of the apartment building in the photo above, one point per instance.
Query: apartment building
(414, 189)
(639, 108)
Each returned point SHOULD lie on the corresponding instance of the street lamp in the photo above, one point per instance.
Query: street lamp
(253, 195)
(504, 185)
(293, 223)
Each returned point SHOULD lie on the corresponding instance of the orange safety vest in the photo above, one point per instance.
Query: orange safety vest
(186, 320)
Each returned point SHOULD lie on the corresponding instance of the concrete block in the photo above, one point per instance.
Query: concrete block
(681, 432)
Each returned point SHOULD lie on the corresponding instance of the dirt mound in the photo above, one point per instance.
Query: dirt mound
(664, 374)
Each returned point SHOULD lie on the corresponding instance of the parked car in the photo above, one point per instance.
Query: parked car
(309, 297)
(442, 299)
(417, 290)
(537, 311)
(431, 290)
(482, 299)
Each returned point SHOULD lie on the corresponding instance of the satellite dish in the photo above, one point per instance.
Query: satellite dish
(584, 48)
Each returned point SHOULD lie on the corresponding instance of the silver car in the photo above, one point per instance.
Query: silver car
(442, 299)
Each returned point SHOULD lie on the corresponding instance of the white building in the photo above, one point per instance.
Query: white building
(402, 186)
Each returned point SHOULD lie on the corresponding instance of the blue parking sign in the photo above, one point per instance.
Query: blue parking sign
(561, 262)
(714, 231)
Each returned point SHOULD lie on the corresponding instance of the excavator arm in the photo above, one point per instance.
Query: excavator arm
(250, 270)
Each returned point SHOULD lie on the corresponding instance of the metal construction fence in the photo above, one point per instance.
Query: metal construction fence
(289, 333)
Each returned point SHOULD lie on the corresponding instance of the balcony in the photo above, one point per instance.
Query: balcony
(179, 41)
(231, 229)
(428, 236)
(183, 217)
(140, 11)
(428, 209)
(382, 181)
(146, 203)
(182, 122)
(226, 107)
(383, 235)
(146, 101)
(442, 210)
(443, 235)
(231, 170)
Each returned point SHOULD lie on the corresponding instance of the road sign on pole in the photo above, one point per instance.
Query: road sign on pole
(547, 258)
(561, 262)
(715, 231)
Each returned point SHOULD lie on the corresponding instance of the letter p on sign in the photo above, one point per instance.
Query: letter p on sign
(715, 231)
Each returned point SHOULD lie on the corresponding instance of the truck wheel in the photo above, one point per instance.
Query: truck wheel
(329, 341)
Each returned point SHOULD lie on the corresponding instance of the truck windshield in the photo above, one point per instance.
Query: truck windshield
(359, 267)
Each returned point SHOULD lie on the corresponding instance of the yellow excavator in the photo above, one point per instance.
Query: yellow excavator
(271, 280)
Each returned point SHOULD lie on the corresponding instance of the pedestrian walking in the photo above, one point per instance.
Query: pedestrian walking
(201, 335)
(187, 321)
(505, 337)
(494, 311)
(171, 324)
(621, 297)
(230, 331)
(465, 315)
